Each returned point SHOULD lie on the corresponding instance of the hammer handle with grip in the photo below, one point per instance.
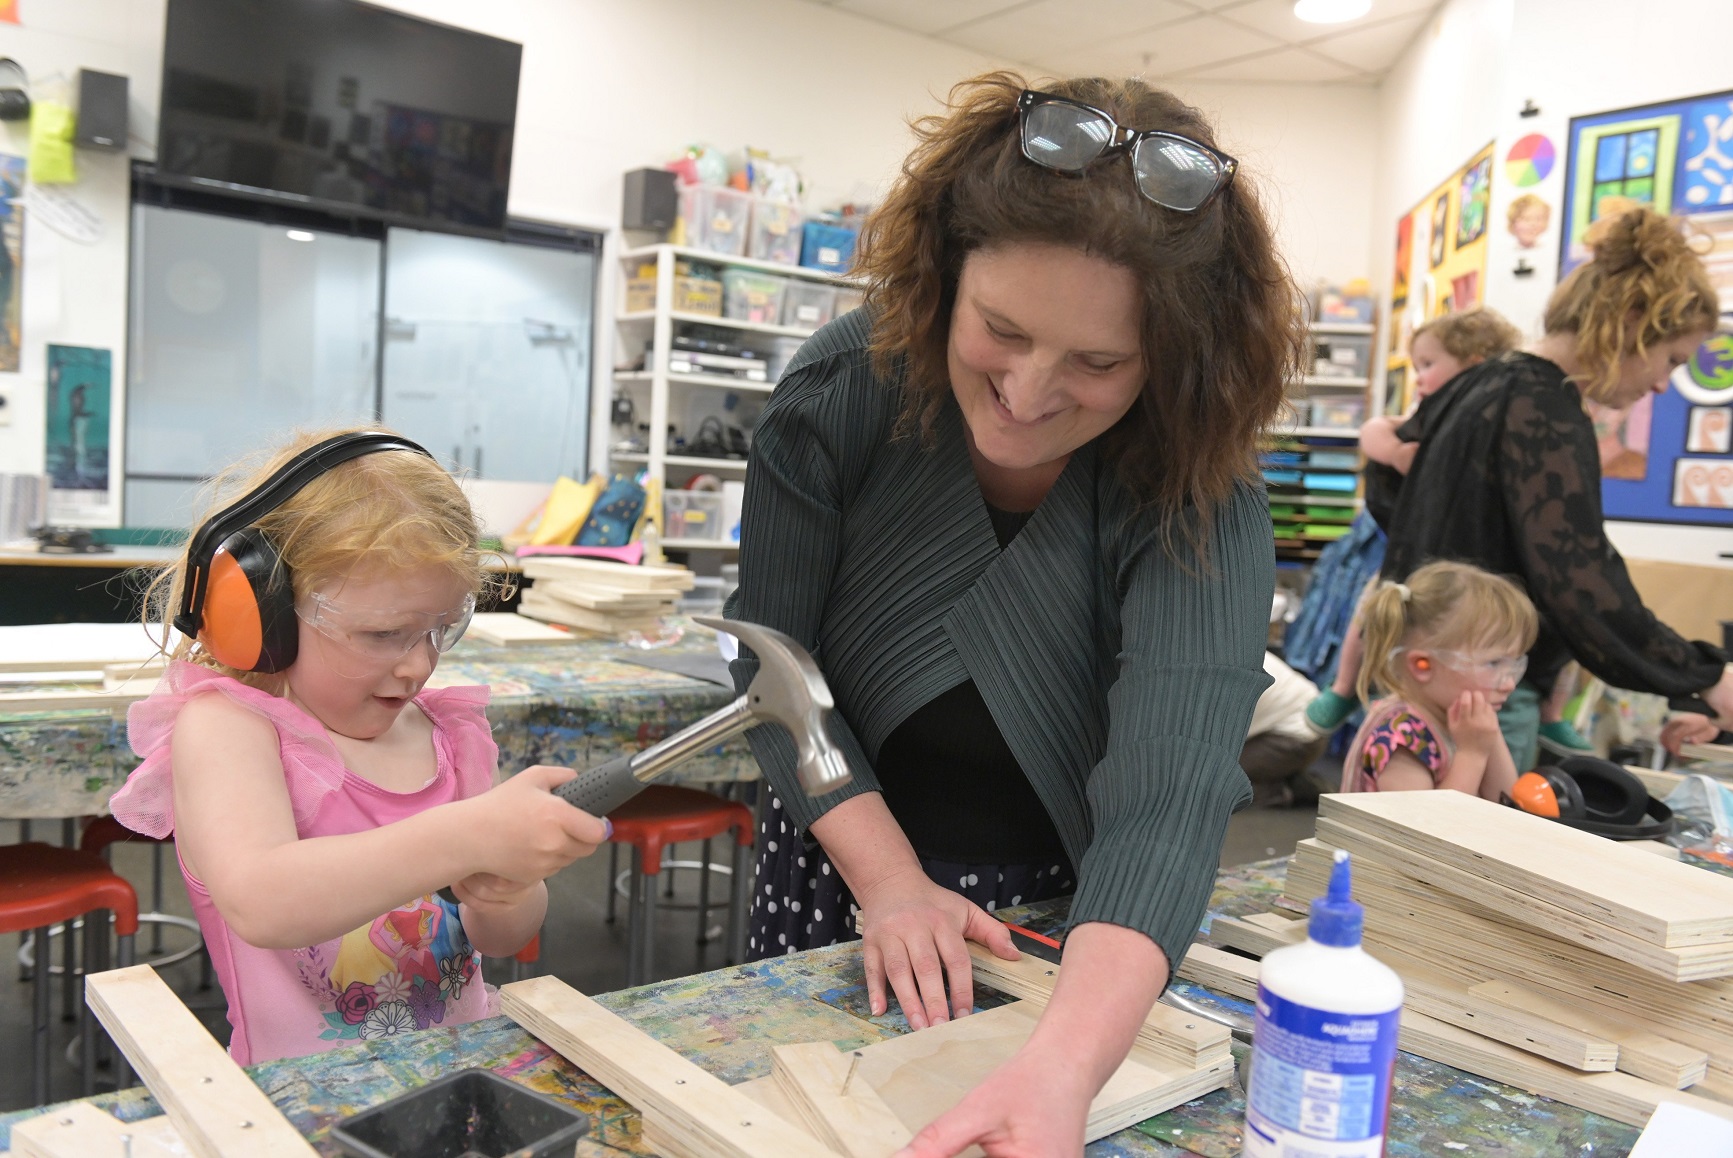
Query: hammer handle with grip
(600, 790)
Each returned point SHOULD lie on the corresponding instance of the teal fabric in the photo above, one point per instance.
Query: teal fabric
(1519, 720)
(1123, 679)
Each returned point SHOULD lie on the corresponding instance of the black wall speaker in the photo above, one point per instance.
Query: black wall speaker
(650, 201)
(101, 111)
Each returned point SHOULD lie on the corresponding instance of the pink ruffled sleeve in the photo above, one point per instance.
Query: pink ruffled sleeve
(312, 768)
(460, 715)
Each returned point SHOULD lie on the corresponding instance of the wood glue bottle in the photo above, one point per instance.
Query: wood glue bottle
(1324, 1046)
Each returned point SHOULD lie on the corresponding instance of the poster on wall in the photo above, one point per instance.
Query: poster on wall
(1440, 262)
(77, 414)
(11, 262)
(1665, 459)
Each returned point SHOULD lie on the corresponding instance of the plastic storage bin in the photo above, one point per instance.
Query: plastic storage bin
(749, 296)
(468, 1112)
(776, 231)
(1346, 356)
(692, 515)
(826, 246)
(807, 305)
(715, 218)
(1338, 413)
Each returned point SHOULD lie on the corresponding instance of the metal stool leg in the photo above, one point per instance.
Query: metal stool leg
(646, 919)
(740, 890)
(613, 876)
(70, 987)
(672, 853)
(39, 1021)
(156, 899)
(633, 914)
(703, 901)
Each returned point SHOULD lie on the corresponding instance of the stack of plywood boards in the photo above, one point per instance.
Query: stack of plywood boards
(1577, 967)
(601, 598)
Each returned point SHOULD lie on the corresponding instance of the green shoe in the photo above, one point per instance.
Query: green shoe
(1561, 739)
(1326, 713)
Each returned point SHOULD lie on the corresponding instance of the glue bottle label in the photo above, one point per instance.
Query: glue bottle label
(1320, 1081)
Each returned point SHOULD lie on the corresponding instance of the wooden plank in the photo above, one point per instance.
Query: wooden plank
(647, 577)
(601, 597)
(1685, 963)
(1616, 1095)
(695, 1109)
(922, 1075)
(1666, 904)
(1484, 946)
(82, 699)
(80, 1130)
(1660, 784)
(1184, 1041)
(1221, 971)
(217, 1109)
(1256, 937)
(509, 629)
(1715, 753)
(1642, 1053)
(845, 1112)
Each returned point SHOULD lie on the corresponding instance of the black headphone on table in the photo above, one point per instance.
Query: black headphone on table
(238, 597)
(1594, 795)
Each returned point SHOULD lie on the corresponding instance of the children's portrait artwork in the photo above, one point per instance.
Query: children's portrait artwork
(1709, 430)
(77, 418)
(1440, 222)
(1703, 482)
(1527, 219)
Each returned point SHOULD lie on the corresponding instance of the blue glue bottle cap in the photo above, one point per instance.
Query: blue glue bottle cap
(1336, 916)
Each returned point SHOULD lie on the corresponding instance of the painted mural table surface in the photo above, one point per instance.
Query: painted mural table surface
(727, 1020)
(571, 704)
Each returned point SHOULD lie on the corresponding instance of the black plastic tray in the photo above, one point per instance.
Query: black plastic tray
(467, 1114)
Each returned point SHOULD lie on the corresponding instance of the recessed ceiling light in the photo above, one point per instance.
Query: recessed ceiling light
(1331, 11)
(300, 235)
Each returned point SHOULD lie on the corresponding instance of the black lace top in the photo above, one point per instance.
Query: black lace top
(1508, 478)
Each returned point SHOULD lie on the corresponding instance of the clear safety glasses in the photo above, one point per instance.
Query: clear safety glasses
(1486, 673)
(382, 634)
(1068, 136)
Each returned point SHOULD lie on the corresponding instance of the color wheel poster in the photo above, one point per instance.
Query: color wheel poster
(1666, 459)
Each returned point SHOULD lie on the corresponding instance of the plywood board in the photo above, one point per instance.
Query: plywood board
(217, 1109)
(80, 1130)
(922, 1075)
(509, 629)
(648, 577)
(697, 1111)
(78, 699)
(841, 1108)
(1256, 937)
(1664, 903)
(1184, 1041)
(599, 597)
(64, 646)
(1221, 971)
(1685, 963)
(1642, 1053)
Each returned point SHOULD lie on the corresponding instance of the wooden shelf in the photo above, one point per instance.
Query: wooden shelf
(1338, 383)
(1342, 328)
(1316, 432)
(725, 323)
(706, 463)
(698, 545)
(719, 381)
(649, 252)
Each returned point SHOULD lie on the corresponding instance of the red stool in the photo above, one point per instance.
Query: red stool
(528, 955)
(104, 831)
(650, 822)
(42, 886)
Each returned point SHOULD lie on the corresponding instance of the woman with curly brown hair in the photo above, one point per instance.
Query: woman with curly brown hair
(1011, 505)
(1509, 475)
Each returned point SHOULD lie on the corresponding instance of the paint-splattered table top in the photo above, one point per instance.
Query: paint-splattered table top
(726, 1021)
(571, 704)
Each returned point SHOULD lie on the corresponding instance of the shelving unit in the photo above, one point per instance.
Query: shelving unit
(1306, 465)
(656, 391)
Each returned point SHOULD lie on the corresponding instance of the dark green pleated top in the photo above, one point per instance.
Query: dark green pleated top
(1122, 679)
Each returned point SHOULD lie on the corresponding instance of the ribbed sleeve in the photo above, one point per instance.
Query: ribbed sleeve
(1190, 673)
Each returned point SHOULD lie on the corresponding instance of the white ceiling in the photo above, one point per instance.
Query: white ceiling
(1225, 40)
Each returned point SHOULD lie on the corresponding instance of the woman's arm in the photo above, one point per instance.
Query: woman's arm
(235, 828)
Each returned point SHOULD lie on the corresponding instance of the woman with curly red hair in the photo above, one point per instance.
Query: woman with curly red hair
(1012, 507)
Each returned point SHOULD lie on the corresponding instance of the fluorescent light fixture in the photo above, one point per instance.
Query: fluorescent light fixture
(1331, 11)
(301, 235)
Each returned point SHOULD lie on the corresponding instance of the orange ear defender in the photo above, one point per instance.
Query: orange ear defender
(238, 597)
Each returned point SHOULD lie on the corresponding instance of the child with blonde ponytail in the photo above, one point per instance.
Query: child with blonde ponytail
(1447, 647)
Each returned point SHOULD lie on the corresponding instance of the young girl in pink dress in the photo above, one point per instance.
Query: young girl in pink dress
(318, 810)
(1447, 647)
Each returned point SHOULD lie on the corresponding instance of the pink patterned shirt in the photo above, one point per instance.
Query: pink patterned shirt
(1391, 726)
(408, 969)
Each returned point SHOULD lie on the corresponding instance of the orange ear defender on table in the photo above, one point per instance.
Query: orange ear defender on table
(237, 596)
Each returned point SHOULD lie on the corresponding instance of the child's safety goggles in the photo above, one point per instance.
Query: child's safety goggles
(1484, 672)
(1068, 136)
(384, 634)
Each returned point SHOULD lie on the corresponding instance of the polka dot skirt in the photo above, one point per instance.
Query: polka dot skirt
(800, 902)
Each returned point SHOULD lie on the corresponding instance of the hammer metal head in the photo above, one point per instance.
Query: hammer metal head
(790, 690)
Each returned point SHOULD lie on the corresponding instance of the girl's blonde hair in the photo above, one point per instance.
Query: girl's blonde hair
(1645, 285)
(1443, 605)
(1470, 334)
(395, 509)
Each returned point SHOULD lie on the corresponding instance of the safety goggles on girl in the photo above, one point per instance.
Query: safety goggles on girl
(384, 634)
(1068, 136)
(1485, 672)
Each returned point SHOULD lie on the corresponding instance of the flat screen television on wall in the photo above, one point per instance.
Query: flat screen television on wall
(341, 106)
